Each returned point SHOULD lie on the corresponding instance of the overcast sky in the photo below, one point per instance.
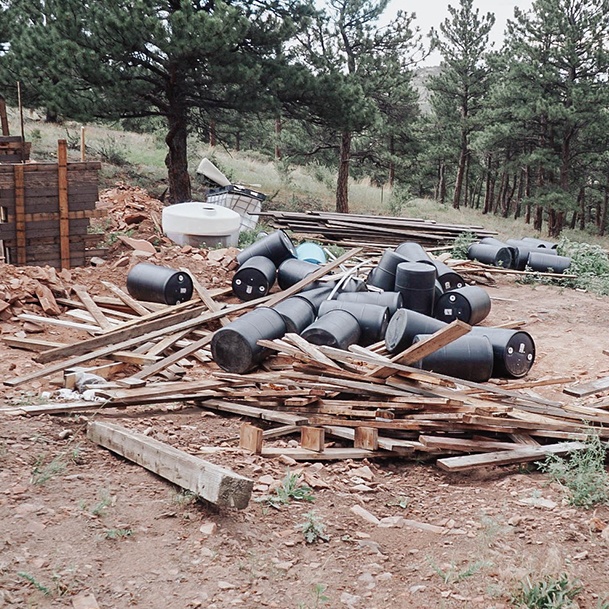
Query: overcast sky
(430, 13)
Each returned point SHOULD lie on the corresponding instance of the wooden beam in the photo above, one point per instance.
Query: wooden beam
(419, 350)
(510, 457)
(20, 213)
(366, 437)
(312, 438)
(204, 295)
(92, 307)
(250, 438)
(64, 208)
(213, 483)
(285, 418)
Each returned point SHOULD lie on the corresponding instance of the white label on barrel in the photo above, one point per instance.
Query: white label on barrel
(182, 290)
(521, 348)
(448, 311)
(447, 285)
(248, 289)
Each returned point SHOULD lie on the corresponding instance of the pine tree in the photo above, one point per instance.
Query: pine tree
(178, 59)
(546, 105)
(459, 90)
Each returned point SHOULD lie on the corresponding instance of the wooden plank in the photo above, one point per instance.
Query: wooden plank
(329, 454)
(310, 349)
(215, 484)
(133, 304)
(39, 319)
(518, 455)
(204, 295)
(397, 445)
(30, 344)
(366, 437)
(465, 445)
(323, 270)
(250, 438)
(312, 438)
(20, 213)
(580, 391)
(92, 307)
(419, 350)
(64, 208)
(283, 418)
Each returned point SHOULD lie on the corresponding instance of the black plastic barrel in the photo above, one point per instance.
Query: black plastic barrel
(152, 283)
(487, 253)
(383, 276)
(276, 247)
(470, 304)
(292, 270)
(469, 357)
(413, 252)
(337, 328)
(235, 347)
(254, 278)
(541, 243)
(372, 319)
(498, 243)
(541, 261)
(316, 296)
(523, 249)
(405, 325)
(297, 313)
(392, 300)
(416, 281)
(449, 280)
(513, 351)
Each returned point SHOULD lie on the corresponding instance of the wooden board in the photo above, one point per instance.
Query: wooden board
(580, 391)
(518, 455)
(213, 483)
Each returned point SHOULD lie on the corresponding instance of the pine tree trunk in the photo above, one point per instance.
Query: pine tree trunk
(442, 184)
(213, 138)
(488, 191)
(582, 206)
(538, 222)
(460, 176)
(391, 162)
(277, 136)
(603, 225)
(342, 184)
(176, 160)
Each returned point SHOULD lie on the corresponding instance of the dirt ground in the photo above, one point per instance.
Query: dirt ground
(77, 520)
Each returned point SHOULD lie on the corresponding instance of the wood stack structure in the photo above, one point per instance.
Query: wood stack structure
(45, 208)
(352, 230)
(382, 406)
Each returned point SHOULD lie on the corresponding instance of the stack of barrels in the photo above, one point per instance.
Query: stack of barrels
(405, 298)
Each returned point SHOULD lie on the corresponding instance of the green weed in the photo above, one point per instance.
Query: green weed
(99, 509)
(291, 488)
(452, 575)
(43, 472)
(549, 593)
(589, 262)
(319, 598)
(112, 151)
(313, 528)
(583, 474)
(118, 533)
(34, 582)
(461, 244)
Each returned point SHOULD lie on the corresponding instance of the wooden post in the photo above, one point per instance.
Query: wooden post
(250, 438)
(3, 117)
(366, 437)
(20, 213)
(64, 221)
(83, 148)
(312, 438)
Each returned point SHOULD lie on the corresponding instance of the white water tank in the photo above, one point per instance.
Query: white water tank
(198, 223)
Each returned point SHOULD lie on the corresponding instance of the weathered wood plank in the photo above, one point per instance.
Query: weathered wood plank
(518, 455)
(215, 484)
(580, 391)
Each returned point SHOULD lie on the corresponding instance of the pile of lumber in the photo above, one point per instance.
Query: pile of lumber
(382, 406)
(355, 229)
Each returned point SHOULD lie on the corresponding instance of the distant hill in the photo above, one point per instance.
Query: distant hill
(421, 76)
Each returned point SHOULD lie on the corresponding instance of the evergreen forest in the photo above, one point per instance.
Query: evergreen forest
(521, 130)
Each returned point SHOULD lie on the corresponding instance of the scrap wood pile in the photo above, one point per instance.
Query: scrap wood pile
(380, 404)
(356, 229)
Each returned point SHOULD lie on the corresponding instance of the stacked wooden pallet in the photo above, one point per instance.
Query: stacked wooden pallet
(46, 209)
(355, 229)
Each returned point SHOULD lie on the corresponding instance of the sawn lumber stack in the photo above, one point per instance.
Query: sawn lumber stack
(378, 406)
